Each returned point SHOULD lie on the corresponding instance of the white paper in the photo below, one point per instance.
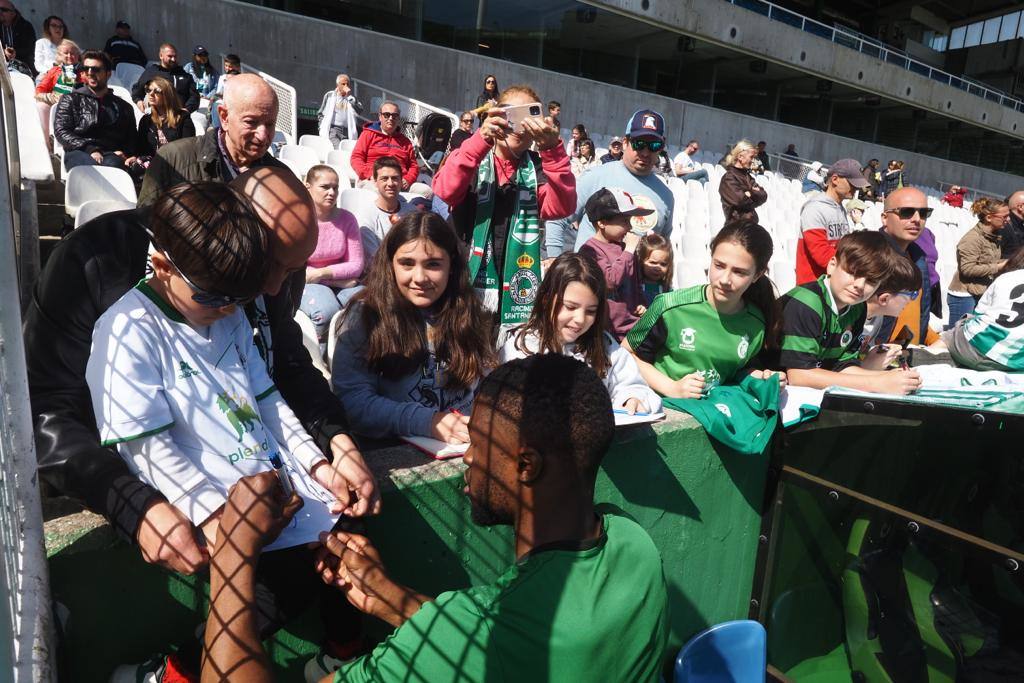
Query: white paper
(313, 518)
(794, 402)
(437, 448)
(625, 419)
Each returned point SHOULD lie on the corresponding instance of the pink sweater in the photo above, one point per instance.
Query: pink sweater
(338, 248)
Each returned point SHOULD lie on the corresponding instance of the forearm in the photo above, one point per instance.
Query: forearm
(819, 378)
(458, 174)
(557, 197)
(232, 647)
(396, 604)
(655, 378)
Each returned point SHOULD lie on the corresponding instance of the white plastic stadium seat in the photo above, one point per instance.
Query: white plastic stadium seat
(123, 93)
(322, 146)
(128, 73)
(310, 342)
(199, 121)
(297, 168)
(332, 336)
(340, 158)
(347, 144)
(97, 182)
(344, 181)
(97, 207)
(305, 157)
(361, 203)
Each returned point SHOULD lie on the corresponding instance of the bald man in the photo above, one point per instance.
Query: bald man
(903, 223)
(1013, 232)
(92, 268)
(248, 120)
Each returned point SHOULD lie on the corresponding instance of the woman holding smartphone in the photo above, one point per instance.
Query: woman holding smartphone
(500, 191)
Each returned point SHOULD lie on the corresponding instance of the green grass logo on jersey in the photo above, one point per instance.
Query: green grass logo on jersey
(185, 370)
(241, 416)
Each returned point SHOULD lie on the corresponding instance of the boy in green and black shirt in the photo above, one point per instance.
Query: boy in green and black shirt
(823, 321)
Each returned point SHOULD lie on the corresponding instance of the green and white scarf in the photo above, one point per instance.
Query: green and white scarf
(514, 294)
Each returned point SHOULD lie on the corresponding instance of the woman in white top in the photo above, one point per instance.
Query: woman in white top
(54, 31)
(570, 316)
(586, 160)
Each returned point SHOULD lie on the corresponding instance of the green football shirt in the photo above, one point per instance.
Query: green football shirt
(585, 614)
(682, 333)
(816, 334)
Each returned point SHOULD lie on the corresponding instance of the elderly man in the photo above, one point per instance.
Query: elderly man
(540, 428)
(337, 114)
(384, 139)
(1013, 232)
(645, 138)
(92, 269)
(168, 68)
(903, 218)
(93, 125)
(248, 117)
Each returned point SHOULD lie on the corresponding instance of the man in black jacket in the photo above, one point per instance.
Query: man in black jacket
(167, 68)
(95, 126)
(90, 270)
(17, 36)
(123, 48)
(1012, 234)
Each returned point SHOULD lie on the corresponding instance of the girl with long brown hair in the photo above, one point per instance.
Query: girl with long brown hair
(570, 317)
(415, 342)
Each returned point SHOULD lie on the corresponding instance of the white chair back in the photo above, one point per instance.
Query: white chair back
(304, 157)
(322, 146)
(347, 145)
(128, 74)
(97, 207)
(97, 182)
(340, 158)
(361, 203)
(310, 342)
(199, 121)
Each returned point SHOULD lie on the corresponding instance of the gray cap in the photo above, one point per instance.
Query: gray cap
(849, 169)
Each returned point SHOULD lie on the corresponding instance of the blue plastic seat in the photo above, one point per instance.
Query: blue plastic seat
(731, 652)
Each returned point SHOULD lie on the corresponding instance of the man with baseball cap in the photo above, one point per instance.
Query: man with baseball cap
(635, 174)
(123, 48)
(614, 152)
(823, 220)
(202, 72)
(611, 212)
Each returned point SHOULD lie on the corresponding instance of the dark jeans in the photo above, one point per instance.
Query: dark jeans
(79, 157)
(959, 306)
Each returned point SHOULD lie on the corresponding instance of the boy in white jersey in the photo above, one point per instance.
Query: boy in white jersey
(992, 338)
(177, 384)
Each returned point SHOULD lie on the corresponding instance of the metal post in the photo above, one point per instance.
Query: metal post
(28, 241)
(713, 84)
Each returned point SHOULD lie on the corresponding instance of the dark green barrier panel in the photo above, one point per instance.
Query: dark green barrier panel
(700, 507)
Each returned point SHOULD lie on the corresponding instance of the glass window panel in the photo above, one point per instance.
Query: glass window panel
(990, 32)
(956, 38)
(941, 42)
(1008, 31)
(973, 35)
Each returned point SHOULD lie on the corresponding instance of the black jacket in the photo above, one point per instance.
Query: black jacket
(148, 141)
(89, 123)
(88, 271)
(125, 50)
(22, 37)
(1011, 236)
(183, 84)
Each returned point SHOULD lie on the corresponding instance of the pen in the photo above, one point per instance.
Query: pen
(620, 411)
(282, 474)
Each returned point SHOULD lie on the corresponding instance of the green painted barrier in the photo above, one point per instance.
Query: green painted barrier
(701, 507)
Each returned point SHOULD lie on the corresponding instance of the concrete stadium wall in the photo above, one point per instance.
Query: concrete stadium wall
(308, 53)
(699, 505)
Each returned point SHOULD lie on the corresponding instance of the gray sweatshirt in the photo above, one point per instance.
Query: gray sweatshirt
(381, 407)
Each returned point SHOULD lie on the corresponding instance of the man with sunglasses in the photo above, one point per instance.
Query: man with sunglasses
(635, 174)
(903, 219)
(92, 269)
(95, 126)
(384, 139)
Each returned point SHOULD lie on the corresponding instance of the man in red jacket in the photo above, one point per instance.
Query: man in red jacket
(383, 139)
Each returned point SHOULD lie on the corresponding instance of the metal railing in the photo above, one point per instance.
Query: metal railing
(287, 101)
(26, 624)
(412, 110)
(875, 48)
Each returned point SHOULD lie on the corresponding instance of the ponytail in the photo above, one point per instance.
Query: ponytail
(761, 293)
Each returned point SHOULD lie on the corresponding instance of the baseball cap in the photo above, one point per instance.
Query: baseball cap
(849, 169)
(199, 50)
(121, 23)
(615, 141)
(646, 123)
(610, 202)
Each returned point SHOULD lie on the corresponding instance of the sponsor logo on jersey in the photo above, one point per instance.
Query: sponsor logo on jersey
(724, 410)
(185, 370)
(847, 337)
(523, 287)
(743, 346)
(644, 223)
(688, 339)
(240, 414)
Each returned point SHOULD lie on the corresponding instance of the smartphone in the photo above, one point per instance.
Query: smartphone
(517, 113)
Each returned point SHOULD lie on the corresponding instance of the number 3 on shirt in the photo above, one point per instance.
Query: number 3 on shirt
(1017, 296)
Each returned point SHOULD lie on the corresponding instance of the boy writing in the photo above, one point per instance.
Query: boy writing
(901, 286)
(823, 321)
(612, 247)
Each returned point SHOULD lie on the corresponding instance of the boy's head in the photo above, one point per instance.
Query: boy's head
(862, 262)
(901, 285)
(610, 211)
(208, 236)
(539, 430)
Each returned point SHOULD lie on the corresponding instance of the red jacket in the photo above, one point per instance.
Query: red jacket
(373, 144)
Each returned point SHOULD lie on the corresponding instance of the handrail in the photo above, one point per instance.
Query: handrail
(416, 109)
(875, 48)
(944, 188)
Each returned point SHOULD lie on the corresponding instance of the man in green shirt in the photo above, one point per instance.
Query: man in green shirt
(585, 600)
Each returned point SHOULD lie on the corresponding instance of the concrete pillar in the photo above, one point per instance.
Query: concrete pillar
(777, 103)
(636, 66)
(713, 84)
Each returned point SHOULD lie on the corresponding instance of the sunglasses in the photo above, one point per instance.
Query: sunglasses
(641, 145)
(153, 91)
(94, 69)
(6, 10)
(907, 212)
(389, 114)
(490, 82)
(910, 295)
(467, 120)
(205, 298)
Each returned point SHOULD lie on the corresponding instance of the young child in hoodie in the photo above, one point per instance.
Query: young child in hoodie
(415, 342)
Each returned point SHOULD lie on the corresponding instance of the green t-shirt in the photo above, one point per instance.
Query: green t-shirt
(592, 614)
(682, 333)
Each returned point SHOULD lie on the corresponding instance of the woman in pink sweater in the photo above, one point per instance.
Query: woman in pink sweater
(334, 268)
